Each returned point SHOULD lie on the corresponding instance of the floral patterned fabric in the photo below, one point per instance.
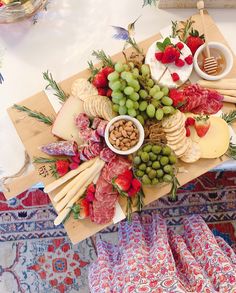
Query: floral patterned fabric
(150, 257)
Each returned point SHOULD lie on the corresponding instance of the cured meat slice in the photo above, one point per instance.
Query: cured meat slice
(103, 186)
(95, 136)
(87, 153)
(96, 122)
(95, 147)
(59, 148)
(101, 127)
(108, 201)
(115, 167)
(101, 214)
(82, 121)
(107, 155)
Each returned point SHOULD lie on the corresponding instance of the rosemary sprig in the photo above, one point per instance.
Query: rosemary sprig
(93, 70)
(133, 44)
(229, 117)
(174, 29)
(174, 187)
(129, 208)
(42, 160)
(34, 114)
(140, 202)
(105, 59)
(183, 32)
(58, 92)
(53, 171)
(231, 152)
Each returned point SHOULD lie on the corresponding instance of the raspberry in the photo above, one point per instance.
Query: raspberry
(180, 45)
(179, 63)
(190, 121)
(189, 60)
(73, 166)
(188, 133)
(109, 92)
(102, 91)
(175, 76)
(159, 56)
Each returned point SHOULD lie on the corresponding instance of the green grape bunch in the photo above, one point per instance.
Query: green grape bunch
(135, 93)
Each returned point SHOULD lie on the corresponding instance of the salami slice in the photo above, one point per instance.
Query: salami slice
(101, 214)
(96, 122)
(95, 147)
(107, 155)
(59, 148)
(82, 121)
(87, 153)
(101, 127)
(95, 136)
(103, 187)
(115, 167)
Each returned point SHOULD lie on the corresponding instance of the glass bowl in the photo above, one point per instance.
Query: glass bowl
(20, 10)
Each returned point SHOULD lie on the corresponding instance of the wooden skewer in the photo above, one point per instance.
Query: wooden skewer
(210, 64)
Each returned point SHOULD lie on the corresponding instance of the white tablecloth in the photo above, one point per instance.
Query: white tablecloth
(61, 40)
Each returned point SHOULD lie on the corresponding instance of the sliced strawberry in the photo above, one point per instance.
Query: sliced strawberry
(159, 56)
(189, 59)
(102, 91)
(122, 182)
(91, 188)
(175, 76)
(179, 63)
(136, 184)
(107, 70)
(188, 132)
(128, 174)
(179, 45)
(190, 121)
(177, 97)
(84, 209)
(202, 125)
(100, 80)
(62, 167)
(109, 92)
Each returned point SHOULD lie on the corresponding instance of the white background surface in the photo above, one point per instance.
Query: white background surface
(62, 41)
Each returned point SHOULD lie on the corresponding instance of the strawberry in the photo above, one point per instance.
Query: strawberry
(62, 167)
(177, 98)
(84, 208)
(128, 174)
(132, 192)
(136, 184)
(189, 59)
(202, 125)
(122, 182)
(179, 45)
(190, 121)
(90, 196)
(188, 132)
(175, 76)
(73, 166)
(170, 55)
(179, 63)
(107, 70)
(91, 188)
(100, 80)
(159, 56)
(76, 159)
(102, 91)
(194, 41)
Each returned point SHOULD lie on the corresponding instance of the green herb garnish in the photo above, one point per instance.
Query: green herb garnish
(229, 117)
(105, 59)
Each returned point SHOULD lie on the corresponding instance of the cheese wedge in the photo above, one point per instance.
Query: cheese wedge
(64, 125)
(216, 141)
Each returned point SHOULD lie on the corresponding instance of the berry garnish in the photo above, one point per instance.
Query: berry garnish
(202, 125)
(159, 56)
(175, 76)
(102, 91)
(190, 121)
(180, 45)
(189, 59)
(179, 63)
(188, 132)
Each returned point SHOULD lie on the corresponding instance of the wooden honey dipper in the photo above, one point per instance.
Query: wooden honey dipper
(210, 64)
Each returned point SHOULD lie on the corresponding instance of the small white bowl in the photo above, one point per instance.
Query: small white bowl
(228, 58)
(139, 127)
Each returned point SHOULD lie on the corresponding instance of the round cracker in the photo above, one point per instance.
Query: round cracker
(192, 154)
(177, 145)
(177, 126)
(107, 111)
(86, 108)
(172, 120)
(180, 152)
(82, 89)
(177, 136)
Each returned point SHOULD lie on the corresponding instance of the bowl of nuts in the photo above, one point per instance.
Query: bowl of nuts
(124, 135)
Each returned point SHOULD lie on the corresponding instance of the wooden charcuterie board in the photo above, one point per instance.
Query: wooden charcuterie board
(33, 134)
